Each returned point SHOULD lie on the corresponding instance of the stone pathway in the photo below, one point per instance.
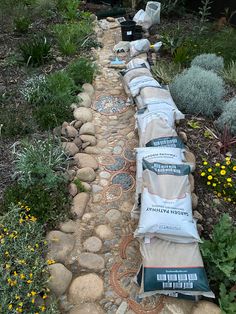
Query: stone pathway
(96, 255)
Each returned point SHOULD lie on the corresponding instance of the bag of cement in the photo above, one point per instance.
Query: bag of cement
(129, 75)
(143, 19)
(142, 81)
(166, 205)
(136, 63)
(139, 46)
(122, 46)
(151, 96)
(173, 267)
(153, 9)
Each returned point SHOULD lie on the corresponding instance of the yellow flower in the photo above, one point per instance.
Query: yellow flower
(45, 296)
(19, 310)
(209, 170)
(33, 293)
(7, 266)
(33, 218)
(15, 274)
(209, 177)
(217, 164)
(10, 306)
(20, 304)
(213, 184)
(228, 163)
(234, 168)
(33, 301)
(29, 281)
(223, 167)
(31, 275)
(21, 220)
(229, 180)
(203, 174)
(17, 297)
(205, 163)
(208, 183)
(36, 245)
(7, 253)
(22, 276)
(229, 199)
(218, 194)
(227, 158)
(22, 262)
(43, 308)
(50, 261)
(222, 172)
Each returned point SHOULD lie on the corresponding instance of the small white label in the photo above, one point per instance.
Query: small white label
(147, 240)
(129, 33)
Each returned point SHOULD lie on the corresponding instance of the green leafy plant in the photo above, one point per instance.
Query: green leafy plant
(219, 254)
(194, 124)
(81, 71)
(79, 185)
(40, 162)
(49, 205)
(221, 178)
(204, 13)
(165, 71)
(228, 116)
(227, 300)
(171, 41)
(71, 36)
(71, 9)
(22, 24)
(180, 55)
(44, 8)
(36, 51)
(23, 273)
(197, 91)
(209, 61)
(172, 8)
(229, 73)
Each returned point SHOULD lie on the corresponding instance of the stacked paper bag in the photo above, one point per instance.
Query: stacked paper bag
(172, 262)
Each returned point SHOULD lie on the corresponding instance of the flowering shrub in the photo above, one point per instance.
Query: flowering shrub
(221, 178)
(23, 275)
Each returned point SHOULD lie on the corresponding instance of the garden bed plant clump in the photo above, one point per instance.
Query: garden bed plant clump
(45, 59)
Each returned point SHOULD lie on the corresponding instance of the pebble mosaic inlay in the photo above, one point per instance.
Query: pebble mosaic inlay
(124, 179)
(118, 165)
(110, 105)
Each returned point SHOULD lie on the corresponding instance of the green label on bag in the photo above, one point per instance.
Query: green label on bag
(171, 169)
(183, 279)
(166, 141)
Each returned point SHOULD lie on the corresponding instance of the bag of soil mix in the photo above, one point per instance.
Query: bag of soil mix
(173, 268)
(139, 82)
(152, 96)
(129, 75)
(166, 204)
(139, 46)
(136, 63)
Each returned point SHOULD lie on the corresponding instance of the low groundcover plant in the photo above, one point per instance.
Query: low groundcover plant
(221, 178)
(23, 274)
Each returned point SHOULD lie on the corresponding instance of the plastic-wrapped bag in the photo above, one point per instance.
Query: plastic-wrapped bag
(172, 268)
(136, 63)
(130, 74)
(143, 19)
(153, 9)
(166, 204)
(139, 46)
(139, 82)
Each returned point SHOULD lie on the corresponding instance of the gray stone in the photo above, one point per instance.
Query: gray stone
(68, 226)
(113, 216)
(93, 150)
(104, 232)
(87, 128)
(86, 288)
(85, 160)
(183, 136)
(91, 261)
(93, 244)
(97, 198)
(69, 131)
(96, 188)
(194, 200)
(122, 308)
(86, 174)
(88, 88)
(197, 215)
(84, 100)
(110, 19)
(117, 150)
(89, 138)
(79, 204)
(73, 189)
(87, 186)
(78, 124)
(70, 148)
(87, 308)
(83, 114)
(60, 278)
(59, 245)
(78, 142)
(105, 174)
